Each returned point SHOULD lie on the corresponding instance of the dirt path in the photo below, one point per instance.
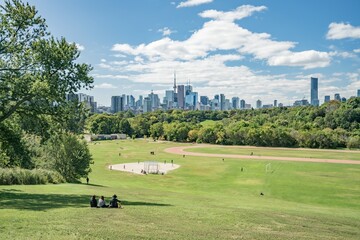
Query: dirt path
(181, 151)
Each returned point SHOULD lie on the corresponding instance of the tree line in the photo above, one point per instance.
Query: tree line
(332, 125)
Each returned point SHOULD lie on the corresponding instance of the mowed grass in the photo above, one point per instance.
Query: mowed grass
(280, 152)
(205, 198)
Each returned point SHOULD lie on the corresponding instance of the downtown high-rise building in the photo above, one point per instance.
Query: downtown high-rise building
(117, 104)
(327, 98)
(235, 103)
(181, 96)
(358, 93)
(337, 97)
(242, 104)
(314, 92)
(258, 103)
(204, 100)
(147, 105)
(222, 102)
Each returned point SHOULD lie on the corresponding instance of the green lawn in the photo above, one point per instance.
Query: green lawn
(204, 199)
(264, 151)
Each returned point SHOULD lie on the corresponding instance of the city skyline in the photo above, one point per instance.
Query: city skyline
(237, 48)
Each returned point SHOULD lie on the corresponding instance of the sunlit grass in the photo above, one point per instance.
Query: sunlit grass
(205, 198)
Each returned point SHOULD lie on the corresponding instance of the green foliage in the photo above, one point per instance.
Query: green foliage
(11, 176)
(68, 155)
(328, 126)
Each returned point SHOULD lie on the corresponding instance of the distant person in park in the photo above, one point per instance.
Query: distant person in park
(115, 203)
(102, 203)
(87, 180)
(93, 202)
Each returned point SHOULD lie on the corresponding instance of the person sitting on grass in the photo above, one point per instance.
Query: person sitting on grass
(93, 202)
(102, 203)
(114, 202)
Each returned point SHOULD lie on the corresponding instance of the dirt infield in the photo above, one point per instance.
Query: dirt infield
(137, 167)
(181, 151)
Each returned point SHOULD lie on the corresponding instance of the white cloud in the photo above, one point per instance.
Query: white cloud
(342, 54)
(80, 47)
(223, 33)
(166, 31)
(105, 86)
(240, 13)
(211, 58)
(342, 30)
(192, 3)
(357, 50)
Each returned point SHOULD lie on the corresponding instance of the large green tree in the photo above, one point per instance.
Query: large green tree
(36, 70)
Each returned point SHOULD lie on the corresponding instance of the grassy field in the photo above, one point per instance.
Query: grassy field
(204, 199)
(280, 152)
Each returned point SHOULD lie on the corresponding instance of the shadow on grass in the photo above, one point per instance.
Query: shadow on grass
(129, 203)
(10, 199)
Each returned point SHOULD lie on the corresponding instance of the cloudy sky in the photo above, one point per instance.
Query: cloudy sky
(254, 49)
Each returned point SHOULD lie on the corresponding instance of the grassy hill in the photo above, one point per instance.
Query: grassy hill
(205, 198)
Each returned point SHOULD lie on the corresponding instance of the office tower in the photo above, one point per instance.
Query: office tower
(147, 105)
(235, 103)
(215, 104)
(181, 96)
(258, 103)
(275, 103)
(358, 93)
(227, 105)
(131, 103)
(327, 98)
(343, 99)
(303, 102)
(222, 102)
(247, 106)
(191, 100)
(169, 94)
(217, 97)
(175, 98)
(204, 100)
(242, 104)
(155, 100)
(188, 89)
(337, 97)
(314, 92)
(117, 104)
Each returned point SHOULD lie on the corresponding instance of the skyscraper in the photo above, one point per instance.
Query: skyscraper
(235, 103)
(314, 92)
(327, 98)
(337, 97)
(275, 103)
(117, 104)
(181, 96)
(222, 102)
(204, 100)
(258, 104)
(358, 94)
(147, 105)
(242, 104)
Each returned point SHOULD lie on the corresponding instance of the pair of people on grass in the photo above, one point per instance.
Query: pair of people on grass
(114, 203)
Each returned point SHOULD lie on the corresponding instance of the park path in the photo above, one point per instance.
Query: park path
(181, 151)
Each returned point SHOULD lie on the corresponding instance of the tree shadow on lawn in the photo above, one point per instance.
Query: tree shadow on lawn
(41, 202)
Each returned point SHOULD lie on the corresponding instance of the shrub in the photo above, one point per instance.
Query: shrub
(18, 176)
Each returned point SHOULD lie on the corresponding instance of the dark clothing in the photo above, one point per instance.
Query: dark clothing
(93, 202)
(114, 203)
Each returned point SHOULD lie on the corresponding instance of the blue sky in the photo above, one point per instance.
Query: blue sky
(250, 49)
